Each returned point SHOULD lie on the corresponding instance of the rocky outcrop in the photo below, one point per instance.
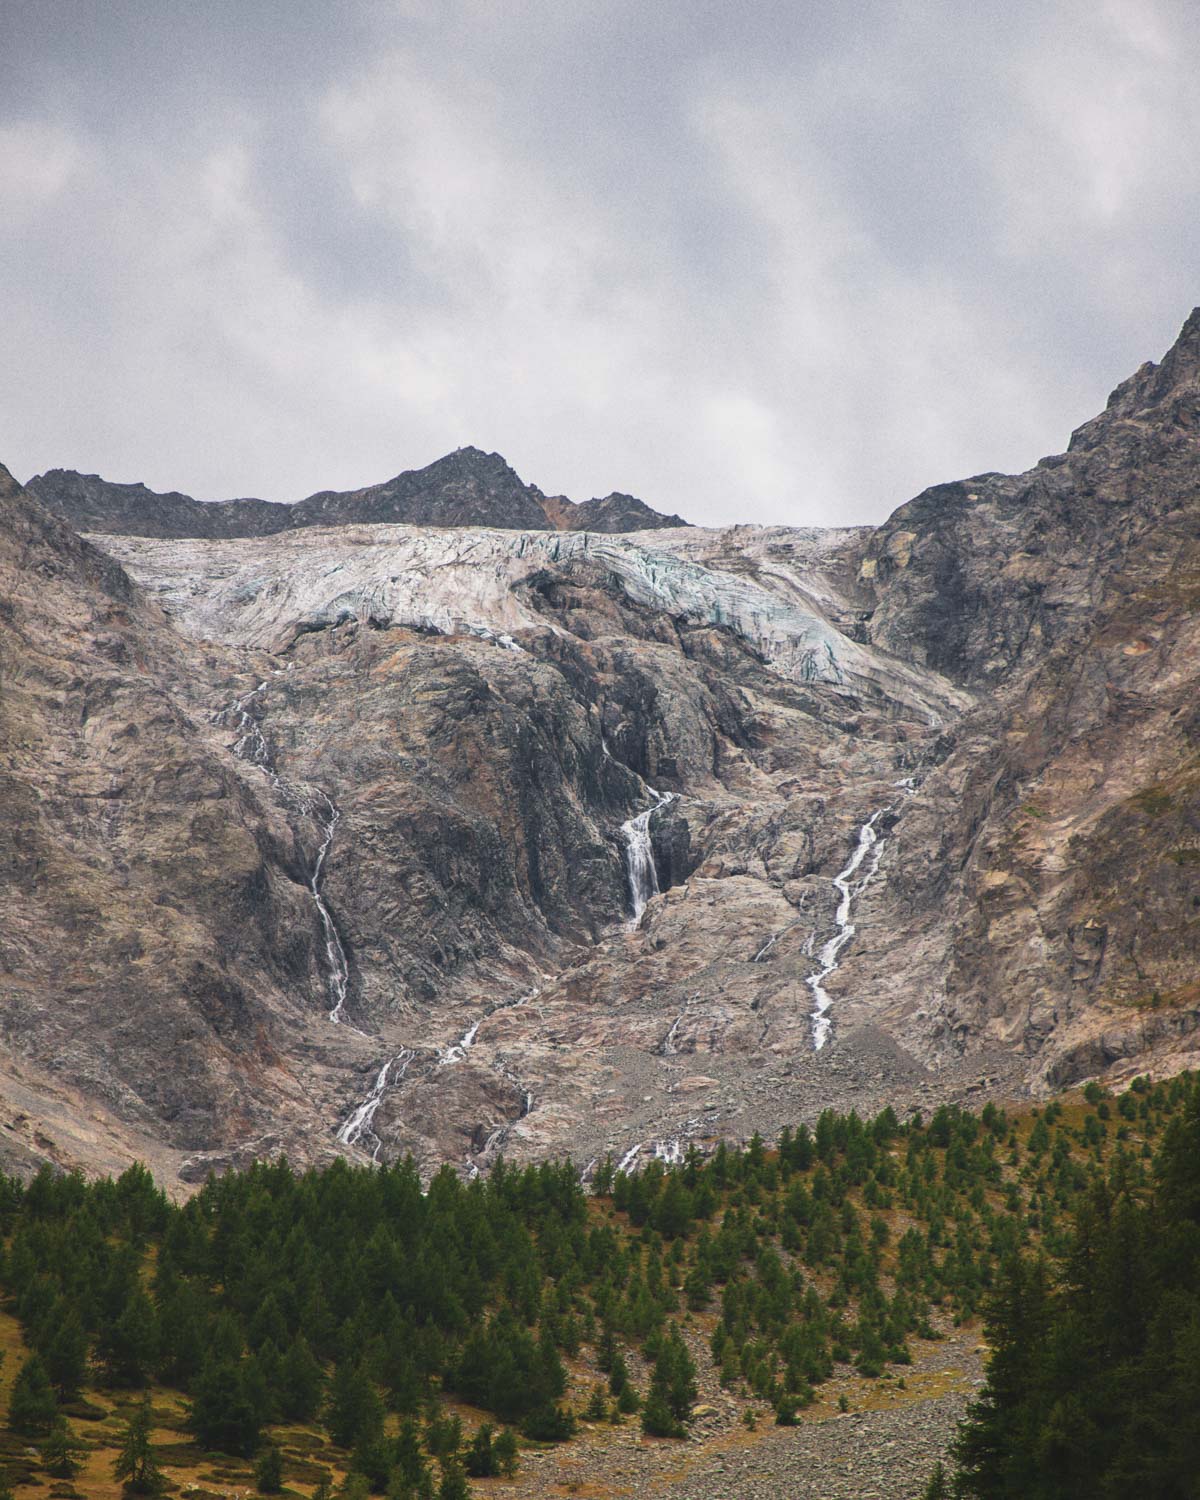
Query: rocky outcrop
(613, 513)
(1071, 808)
(318, 839)
(466, 488)
(89, 503)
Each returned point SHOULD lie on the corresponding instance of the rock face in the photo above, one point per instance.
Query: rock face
(466, 488)
(318, 839)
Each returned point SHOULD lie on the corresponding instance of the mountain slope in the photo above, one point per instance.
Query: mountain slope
(1071, 809)
(586, 839)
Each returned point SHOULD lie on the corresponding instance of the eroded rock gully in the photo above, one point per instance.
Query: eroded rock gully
(394, 772)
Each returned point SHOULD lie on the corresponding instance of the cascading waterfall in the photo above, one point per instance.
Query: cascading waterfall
(672, 1151)
(849, 890)
(360, 1121)
(335, 954)
(868, 839)
(459, 1049)
(639, 854)
(639, 851)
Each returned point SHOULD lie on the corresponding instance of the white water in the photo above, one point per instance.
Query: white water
(459, 1049)
(629, 1158)
(769, 944)
(868, 839)
(360, 1121)
(672, 1150)
(335, 954)
(251, 746)
(639, 854)
(358, 1124)
(667, 1047)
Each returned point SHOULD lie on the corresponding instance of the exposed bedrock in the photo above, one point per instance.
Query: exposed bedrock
(577, 837)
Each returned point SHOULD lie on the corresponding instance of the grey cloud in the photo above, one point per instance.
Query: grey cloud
(766, 262)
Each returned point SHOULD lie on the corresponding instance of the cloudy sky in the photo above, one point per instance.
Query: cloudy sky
(774, 261)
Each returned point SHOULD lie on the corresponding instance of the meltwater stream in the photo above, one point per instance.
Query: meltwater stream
(360, 1122)
(868, 839)
(639, 854)
(849, 891)
(251, 746)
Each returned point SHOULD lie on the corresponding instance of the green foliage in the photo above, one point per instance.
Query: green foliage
(549, 1424)
(355, 1410)
(224, 1413)
(268, 1471)
(672, 1387)
(60, 1452)
(505, 1450)
(299, 1383)
(134, 1462)
(1094, 1379)
(454, 1484)
(32, 1407)
(938, 1487)
(481, 1461)
(349, 1292)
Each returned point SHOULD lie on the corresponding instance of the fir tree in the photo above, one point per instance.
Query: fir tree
(355, 1411)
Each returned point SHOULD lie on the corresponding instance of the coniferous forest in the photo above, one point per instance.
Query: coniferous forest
(345, 1331)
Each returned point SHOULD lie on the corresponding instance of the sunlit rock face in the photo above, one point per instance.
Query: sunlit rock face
(377, 834)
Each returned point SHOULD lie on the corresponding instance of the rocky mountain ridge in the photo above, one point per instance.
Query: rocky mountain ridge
(465, 488)
(466, 840)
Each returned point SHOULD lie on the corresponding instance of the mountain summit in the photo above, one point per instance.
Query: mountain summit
(465, 488)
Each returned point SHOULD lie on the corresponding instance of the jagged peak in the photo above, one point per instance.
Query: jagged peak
(1152, 381)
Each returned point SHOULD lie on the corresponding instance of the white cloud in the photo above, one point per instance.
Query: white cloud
(37, 161)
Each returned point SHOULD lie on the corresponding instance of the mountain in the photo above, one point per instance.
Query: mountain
(612, 513)
(466, 488)
(385, 834)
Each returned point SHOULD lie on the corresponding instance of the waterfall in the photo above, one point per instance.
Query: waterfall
(629, 1158)
(459, 1049)
(639, 854)
(868, 839)
(639, 851)
(251, 746)
(335, 954)
(672, 1151)
(360, 1121)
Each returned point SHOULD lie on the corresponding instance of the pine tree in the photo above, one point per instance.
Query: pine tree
(32, 1406)
(480, 1457)
(299, 1383)
(129, 1345)
(454, 1484)
(996, 1448)
(66, 1351)
(135, 1462)
(223, 1415)
(60, 1452)
(505, 1449)
(355, 1410)
(938, 1487)
(268, 1471)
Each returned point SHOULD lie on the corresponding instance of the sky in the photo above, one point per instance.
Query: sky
(773, 262)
